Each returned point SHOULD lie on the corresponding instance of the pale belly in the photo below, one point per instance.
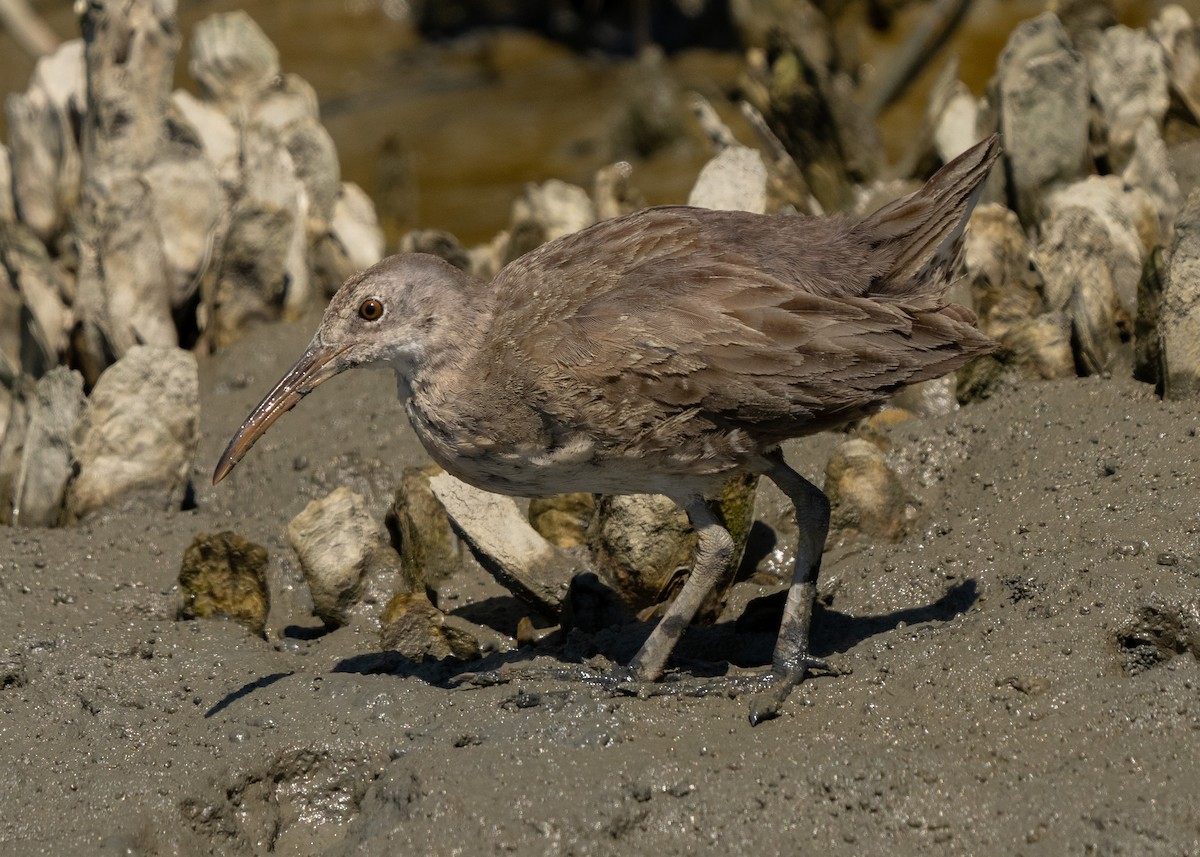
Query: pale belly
(578, 465)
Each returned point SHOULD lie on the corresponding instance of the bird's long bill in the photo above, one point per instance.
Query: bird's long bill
(314, 367)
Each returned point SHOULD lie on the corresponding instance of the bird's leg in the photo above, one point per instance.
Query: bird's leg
(792, 657)
(713, 552)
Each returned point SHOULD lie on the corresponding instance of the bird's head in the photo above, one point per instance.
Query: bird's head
(391, 314)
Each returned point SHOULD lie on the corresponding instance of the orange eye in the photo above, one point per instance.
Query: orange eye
(370, 310)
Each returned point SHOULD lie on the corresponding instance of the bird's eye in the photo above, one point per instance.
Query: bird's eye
(370, 309)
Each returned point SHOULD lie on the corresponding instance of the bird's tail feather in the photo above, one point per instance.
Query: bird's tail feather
(919, 237)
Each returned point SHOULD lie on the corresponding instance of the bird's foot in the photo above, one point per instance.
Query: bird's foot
(767, 691)
(777, 684)
(621, 681)
(615, 680)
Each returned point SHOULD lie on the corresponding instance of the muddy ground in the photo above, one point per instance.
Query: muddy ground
(1021, 674)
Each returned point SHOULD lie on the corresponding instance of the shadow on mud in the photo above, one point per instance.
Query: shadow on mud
(245, 690)
(704, 651)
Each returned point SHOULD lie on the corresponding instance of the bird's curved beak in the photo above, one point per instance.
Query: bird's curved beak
(316, 365)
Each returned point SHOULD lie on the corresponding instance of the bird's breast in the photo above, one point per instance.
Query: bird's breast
(532, 464)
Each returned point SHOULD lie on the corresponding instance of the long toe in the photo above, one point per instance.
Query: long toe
(768, 691)
(621, 681)
(767, 704)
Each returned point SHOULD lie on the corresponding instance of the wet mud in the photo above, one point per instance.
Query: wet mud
(1020, 676)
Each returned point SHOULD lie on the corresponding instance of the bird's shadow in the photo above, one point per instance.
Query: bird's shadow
(838, 632)
(835, 632)
(703, 651)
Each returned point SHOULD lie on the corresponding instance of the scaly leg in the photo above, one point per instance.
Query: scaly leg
(792, 657)
(713, 551)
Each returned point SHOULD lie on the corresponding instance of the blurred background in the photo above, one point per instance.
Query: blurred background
(443, 110)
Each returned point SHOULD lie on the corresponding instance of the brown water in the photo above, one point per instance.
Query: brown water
(447, 135)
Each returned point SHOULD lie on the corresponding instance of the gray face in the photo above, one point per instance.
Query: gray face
(386, 315)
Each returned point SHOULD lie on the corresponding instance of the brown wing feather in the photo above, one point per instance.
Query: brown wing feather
(676, 320)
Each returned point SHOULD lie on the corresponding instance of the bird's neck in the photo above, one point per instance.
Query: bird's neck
(449, 351)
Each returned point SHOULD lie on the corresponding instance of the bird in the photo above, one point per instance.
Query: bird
(664, 351)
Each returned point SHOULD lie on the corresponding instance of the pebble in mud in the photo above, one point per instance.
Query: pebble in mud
(1157, 631)
(12, 671)
(563, 519)
(224, 574)
(344, 555)
(137, 436)
(865, 494)
(412, 626)
(430, 552)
